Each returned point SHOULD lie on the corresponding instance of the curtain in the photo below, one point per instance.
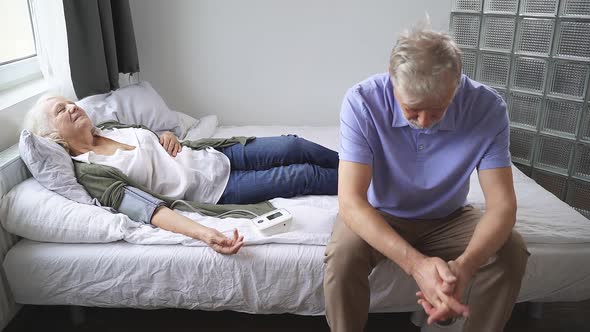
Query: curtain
(52, 46)
(101, 44)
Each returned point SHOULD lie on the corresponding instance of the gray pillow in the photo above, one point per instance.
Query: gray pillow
(52, 167)
(137, 104)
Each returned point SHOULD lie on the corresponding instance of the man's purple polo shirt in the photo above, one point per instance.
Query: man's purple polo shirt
(423, 174)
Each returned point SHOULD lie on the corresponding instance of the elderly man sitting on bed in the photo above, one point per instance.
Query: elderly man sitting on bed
(132, 166)
(410, 140)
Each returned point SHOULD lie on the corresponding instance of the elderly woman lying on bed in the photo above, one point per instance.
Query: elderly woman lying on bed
(141, 174)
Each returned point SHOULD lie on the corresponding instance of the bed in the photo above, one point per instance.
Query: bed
(284, 277)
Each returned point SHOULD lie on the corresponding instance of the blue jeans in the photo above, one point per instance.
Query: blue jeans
(281, 166)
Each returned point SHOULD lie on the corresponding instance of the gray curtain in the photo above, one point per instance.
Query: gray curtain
(101, 44)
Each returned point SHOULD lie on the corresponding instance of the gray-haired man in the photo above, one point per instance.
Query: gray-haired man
(410, 140)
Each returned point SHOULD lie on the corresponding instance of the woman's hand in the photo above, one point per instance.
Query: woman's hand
(221, 243)
(172, 221)
(170, 143)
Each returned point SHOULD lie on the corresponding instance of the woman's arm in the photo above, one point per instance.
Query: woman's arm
(145, 208)
(170, 220)
(110, 187)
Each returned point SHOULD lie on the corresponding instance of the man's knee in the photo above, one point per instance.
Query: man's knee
(513, 256)
(345, 256)
(347, 252)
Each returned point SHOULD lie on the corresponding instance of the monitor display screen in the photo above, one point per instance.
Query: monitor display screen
(274, 215)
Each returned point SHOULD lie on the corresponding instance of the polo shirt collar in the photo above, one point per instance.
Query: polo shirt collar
(448, 121)
(399, 120)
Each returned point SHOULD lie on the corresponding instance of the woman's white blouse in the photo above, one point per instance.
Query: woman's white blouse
(195, 175)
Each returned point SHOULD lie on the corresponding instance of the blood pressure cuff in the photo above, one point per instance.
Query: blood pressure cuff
(138, 205)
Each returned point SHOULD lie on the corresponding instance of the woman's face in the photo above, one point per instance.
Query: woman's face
(70, 120)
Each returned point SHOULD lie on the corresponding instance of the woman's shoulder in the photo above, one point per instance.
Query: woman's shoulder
(127, 131)
(112, 125)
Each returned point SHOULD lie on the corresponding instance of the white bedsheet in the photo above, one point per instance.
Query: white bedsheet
(542, 218)
(312, 222)
(278, 277)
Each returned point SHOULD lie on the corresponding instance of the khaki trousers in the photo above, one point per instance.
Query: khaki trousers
(349, 261)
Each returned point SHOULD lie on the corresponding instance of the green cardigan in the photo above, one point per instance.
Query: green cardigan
(107, 183)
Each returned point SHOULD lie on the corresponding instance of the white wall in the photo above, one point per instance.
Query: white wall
(269, 61)
(11, 120)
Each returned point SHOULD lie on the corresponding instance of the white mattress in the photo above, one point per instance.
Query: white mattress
(277, 278)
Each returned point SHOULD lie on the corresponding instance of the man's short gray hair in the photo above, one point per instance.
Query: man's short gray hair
(423, 63)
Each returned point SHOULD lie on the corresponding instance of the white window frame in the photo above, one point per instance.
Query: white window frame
(19, 71)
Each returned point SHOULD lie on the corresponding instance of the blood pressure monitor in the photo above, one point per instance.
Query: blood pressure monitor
(273, 222)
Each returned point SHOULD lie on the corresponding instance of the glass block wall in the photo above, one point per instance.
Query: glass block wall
(536, 54)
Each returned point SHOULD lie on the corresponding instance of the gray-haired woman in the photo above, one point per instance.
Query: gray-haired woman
(224, 173)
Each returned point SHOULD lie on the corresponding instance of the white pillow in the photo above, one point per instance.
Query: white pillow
(96, 108)
(186, 123)
(204, 129)
(52, 166)
(136, 104)
(33, 212)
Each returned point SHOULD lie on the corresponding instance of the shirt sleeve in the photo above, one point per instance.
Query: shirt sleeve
(138, 205)
(354, 145)
(497, 154)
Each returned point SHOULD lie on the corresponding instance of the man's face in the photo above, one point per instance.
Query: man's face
(424, 114)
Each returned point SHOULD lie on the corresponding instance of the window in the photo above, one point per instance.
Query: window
(18, 58)
(536, 54)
